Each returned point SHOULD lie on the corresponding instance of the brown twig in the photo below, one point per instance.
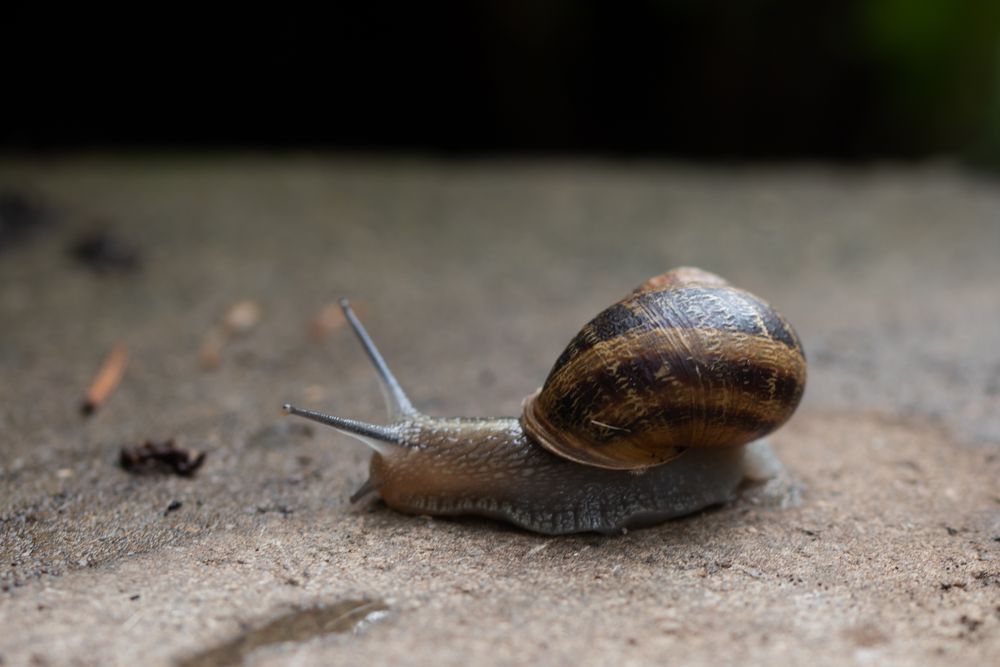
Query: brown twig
(107, 378)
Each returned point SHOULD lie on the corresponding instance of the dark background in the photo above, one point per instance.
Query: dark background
(753, 79)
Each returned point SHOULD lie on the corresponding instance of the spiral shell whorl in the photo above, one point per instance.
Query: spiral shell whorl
(683, 361)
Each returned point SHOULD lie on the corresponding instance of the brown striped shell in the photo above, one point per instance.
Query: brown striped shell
(685, 360)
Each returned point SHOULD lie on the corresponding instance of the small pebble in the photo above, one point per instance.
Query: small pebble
(242, 317)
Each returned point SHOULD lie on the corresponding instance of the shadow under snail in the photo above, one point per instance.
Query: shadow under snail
(645, 416)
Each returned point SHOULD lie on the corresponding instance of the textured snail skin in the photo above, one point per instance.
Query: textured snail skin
(490, 467)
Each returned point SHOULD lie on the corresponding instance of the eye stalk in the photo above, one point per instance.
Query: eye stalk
(374, 435)
(353, 427)
(395, 398)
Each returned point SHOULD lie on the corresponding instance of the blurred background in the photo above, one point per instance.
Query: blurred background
(843, 80)
(185, 192)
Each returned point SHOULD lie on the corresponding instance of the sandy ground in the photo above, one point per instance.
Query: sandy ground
(884, 548)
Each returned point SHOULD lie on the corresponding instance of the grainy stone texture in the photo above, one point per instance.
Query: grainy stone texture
(472, 276)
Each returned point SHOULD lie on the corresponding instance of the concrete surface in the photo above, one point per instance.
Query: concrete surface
(472, 276)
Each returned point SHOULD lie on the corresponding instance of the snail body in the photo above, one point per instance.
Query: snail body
(645, 416)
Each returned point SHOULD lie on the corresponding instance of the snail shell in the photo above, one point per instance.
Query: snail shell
(685, 360)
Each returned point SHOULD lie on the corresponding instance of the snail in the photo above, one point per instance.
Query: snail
(645, 416)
